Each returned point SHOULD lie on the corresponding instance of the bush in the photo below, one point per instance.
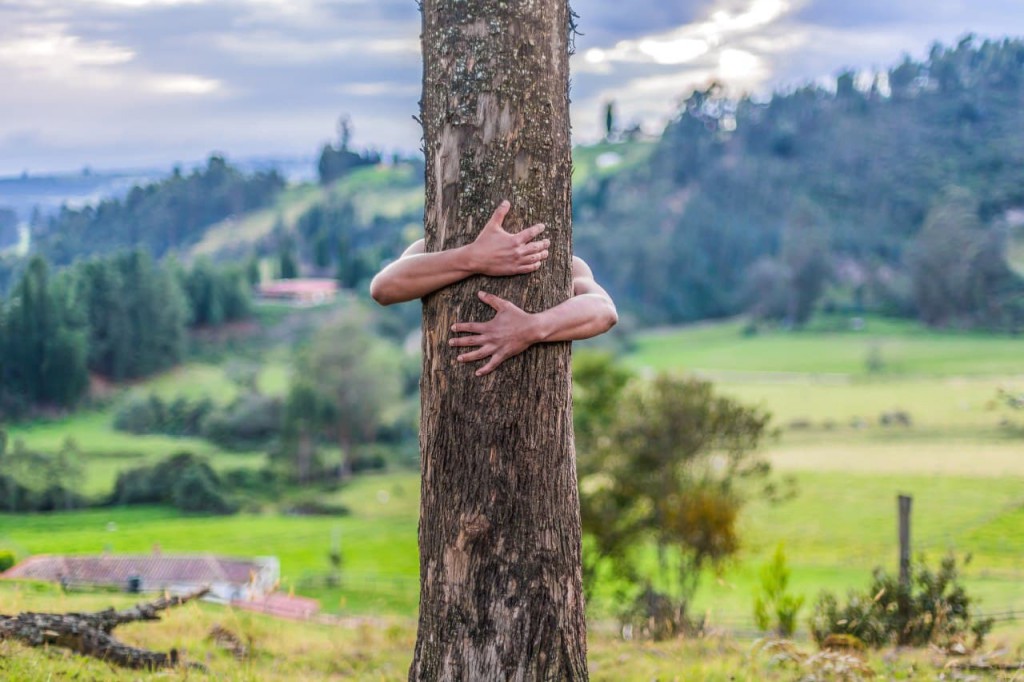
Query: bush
(933, 607)
(137, 415)
(250, 421)
(182, 480)
(252, 481)
(198, 490)
(151, 414)
(6, 559)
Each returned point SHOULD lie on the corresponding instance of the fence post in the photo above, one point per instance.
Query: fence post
(904, 507)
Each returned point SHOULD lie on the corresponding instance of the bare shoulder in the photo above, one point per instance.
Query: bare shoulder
(583, 281)
(417, 247)
(580, 269)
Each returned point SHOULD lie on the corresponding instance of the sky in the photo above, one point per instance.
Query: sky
(140, 83)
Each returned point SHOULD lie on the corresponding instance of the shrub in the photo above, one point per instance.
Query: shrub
(932, 607)
(198, 490)
(182, 480)
(150, 414)
(774, 608)
(6, 559)
(250, 421)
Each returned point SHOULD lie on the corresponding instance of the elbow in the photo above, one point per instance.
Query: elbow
(610, 318)
(379, 292)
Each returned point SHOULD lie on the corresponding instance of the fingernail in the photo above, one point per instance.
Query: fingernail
(451, 342)
(453, 327)
(504, 202)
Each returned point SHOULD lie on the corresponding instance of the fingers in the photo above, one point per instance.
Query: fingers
(474, 355)
(499, 214)
(536, 247)
(460, 341)
(492, 300)
(468, 327)
(491, 365)
(530, 233)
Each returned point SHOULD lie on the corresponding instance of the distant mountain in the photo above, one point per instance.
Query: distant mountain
(48, 192)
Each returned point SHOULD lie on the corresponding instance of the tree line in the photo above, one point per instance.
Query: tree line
(159, 217)
(120, 317)
(849, 200)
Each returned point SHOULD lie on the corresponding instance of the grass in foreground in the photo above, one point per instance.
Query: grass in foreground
(376, 649)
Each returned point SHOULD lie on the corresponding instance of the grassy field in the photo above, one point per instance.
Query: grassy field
(964, 469)
(230, 233)
(106, 451)
(904, 349)
(835, 530)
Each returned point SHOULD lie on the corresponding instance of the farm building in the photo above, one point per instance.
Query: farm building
(307, 291)
(229, 579)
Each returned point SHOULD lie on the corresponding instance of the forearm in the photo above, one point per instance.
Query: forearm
(579, 317)
(415, 276)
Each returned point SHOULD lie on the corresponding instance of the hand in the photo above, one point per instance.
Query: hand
(497, 253)
(505, 335)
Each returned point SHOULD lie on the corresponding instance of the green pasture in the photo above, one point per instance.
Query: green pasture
(378, 541)
(105, 451)
(902, 349)
(933, 404)
(388, 191)
(835, 530)
(195, 380)
(231, 233)
(964, 469)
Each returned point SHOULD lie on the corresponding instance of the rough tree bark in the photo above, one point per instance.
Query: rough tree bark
(90, 633)
(501, 590)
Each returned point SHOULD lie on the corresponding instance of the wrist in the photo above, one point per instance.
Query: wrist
(538, 327)
(466, 259)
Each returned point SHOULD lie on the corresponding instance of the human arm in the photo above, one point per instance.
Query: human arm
(588, 313)
(494, 252)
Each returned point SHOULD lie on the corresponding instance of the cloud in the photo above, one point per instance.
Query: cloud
(114, 82)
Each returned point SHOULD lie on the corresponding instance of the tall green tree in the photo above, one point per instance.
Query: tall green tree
(44, 352)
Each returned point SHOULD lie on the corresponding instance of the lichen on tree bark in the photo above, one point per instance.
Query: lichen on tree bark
(501, 594)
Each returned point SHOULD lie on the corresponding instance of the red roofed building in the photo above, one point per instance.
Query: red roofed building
(308, 291)
(229, 579)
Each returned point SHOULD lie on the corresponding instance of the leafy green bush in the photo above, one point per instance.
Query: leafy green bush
(182, 480)
(7, 559)
(932, 607)
(34, 481)
(151, 414)
(197, 489)
(252, 420)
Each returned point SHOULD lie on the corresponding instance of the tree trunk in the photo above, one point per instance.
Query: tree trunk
(500, 578)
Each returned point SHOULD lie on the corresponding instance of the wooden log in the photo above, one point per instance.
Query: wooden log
(89, 634)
